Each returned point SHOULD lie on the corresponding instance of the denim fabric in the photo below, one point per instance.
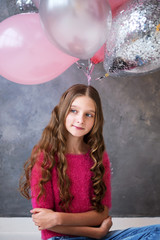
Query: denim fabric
(142, 233)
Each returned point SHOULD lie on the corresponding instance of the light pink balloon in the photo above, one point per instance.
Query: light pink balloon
(26, 55)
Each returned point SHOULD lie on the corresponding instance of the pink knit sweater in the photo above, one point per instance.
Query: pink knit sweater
(81, 186)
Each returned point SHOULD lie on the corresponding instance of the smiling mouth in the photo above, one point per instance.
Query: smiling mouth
(79, 128)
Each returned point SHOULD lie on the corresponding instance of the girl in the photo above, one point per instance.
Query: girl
(69, 173)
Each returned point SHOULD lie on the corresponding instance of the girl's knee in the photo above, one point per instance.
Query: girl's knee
(155, 232)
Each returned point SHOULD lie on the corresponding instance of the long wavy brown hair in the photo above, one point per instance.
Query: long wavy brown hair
(53, 141)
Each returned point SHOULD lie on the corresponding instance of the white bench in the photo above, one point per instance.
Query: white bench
(24, 228)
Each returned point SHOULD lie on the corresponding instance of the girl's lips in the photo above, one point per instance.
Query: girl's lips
(79, 128)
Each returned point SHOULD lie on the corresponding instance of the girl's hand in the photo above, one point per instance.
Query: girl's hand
(105, 226)
(44, 218)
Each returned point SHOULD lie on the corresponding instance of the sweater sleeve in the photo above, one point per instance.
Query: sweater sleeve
(107, 180)
(47, 199)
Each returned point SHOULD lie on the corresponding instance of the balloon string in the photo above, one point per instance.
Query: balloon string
(88, 70)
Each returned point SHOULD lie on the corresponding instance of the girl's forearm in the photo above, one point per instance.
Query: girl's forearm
(47, 218)
(90, 218)
(82, 231)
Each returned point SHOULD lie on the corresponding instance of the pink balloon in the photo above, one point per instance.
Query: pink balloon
(26, 55)
(116, 4)
(99, 55)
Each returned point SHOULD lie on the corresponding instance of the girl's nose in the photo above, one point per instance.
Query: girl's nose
(80, 119)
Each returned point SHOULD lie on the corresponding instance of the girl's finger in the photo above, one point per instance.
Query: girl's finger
(36, 210)
(39, 228)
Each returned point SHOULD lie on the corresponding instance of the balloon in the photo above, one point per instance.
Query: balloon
(99, 55)
(116, 4)
(9, 8)
(78, 27)
(26, 55)
(134, 43)
(22, 6)
(36, 2)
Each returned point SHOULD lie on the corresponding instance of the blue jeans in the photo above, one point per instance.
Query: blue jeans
(141, 233)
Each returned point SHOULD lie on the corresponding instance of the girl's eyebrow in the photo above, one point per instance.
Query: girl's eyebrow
(89, 110)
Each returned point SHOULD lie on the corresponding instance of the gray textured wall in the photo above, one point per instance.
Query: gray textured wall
(132, 134)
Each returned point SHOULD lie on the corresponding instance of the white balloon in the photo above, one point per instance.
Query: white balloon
(77, 27)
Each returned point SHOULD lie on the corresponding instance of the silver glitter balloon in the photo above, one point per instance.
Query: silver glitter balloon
(25, 5)
(14, 7)
(134, 43)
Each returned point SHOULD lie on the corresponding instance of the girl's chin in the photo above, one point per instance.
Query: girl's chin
(76, 134)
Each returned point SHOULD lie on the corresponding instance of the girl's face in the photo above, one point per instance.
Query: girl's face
(81, 116)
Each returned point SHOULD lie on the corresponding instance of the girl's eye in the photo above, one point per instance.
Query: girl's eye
(89, 115)
(73, 111)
